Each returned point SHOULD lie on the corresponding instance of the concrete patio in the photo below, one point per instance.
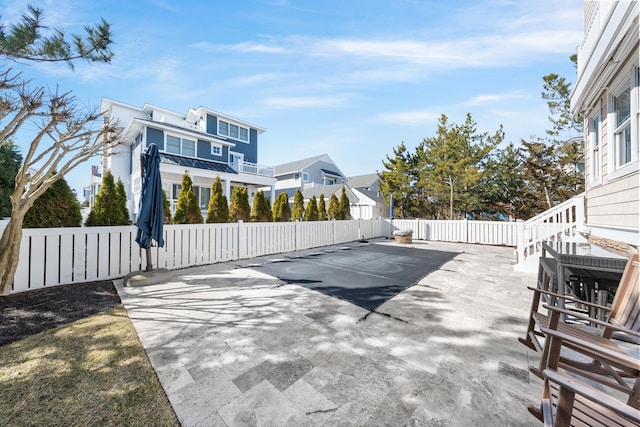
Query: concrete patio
(236, 347)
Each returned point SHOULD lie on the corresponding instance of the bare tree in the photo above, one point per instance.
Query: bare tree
(63, 134)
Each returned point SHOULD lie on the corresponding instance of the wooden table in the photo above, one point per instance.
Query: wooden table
(584, 256)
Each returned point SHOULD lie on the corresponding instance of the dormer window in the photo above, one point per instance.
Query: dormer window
(233, 131)
(176, 145)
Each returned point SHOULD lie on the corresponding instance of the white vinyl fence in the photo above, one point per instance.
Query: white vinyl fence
(482, 232)
(53, 256)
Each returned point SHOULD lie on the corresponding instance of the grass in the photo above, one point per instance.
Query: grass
(90, 372)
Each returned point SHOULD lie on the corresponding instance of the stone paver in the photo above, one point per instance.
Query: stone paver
(234, 347)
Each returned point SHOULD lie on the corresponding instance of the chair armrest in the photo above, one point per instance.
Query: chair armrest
(619, 358)
(604, 324)
(569, 298)
(592, 394)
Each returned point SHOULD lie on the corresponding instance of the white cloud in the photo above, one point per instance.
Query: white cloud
(306, 101)
(494, 98)
(412, 118)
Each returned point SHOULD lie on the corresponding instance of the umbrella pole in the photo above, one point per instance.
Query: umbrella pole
(149, 264)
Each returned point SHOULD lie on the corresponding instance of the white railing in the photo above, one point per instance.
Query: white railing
(482, 232)
(563, 221)
(254, 169)
(53, 256)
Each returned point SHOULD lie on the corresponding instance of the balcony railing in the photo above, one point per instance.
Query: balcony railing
(252, 168)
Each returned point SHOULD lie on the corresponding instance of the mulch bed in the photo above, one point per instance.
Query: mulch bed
(30, 312)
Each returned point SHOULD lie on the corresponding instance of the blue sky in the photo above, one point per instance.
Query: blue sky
(349, 78)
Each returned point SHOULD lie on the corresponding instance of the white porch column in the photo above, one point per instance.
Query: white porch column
(273, 194)
(227, 189)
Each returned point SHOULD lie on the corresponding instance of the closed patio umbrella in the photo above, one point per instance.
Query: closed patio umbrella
(151, 211)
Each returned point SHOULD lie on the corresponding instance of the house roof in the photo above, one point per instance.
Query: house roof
(297, 165)
(187, 162)
(365, 181)
(330, 172)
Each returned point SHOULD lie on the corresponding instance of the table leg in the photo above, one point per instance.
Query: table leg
(561, 290)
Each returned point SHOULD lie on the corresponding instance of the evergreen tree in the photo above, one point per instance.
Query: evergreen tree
(334, 208)
(188, 209)
(343, 205)
(57, 207)
(281, 209)
(449, 165)
(503, 186)
(540, 172)
(322, 210)
(240, 209)
(297, 213)
(311, 213)
(109, 208)
(166, 207)
(10, 160)
(397, 180)
(218, 210)
(261, 211)
(122, 201)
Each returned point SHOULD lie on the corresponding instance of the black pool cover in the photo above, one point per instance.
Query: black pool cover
(364, 274)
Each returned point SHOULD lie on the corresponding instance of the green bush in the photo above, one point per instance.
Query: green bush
(110, 207)
(57, 207)
(188, 209)
(218, 210)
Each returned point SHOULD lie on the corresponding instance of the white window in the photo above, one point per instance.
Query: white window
(186, 147)
(216, 150)
(203, 194)
(233, 131)
(624, 110)
(622, 126)
(173, 144)
(305, 177)
(594, 146)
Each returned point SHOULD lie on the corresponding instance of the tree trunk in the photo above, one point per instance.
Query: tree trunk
(9, 251)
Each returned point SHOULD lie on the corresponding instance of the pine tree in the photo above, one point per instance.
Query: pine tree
(218, 210)
(396, 180)
(343, 206)
(57, 207)
(297, 213)
(281, 209)
(322, 210)
(188, 209)
(450, 164)
(122, 201)
(110, 208)
(334, 208)
(261, 211)
(311, 213)
(10, 160)
(240, 209)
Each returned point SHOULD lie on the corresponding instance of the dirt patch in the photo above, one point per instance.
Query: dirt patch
(30, 312)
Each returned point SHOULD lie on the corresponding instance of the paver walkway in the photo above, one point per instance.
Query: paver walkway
(235, 347)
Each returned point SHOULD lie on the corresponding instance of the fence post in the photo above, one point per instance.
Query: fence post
(519, 240)
(242, 240)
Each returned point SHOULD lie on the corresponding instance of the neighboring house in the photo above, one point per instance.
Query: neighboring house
(307, 173)
(370, 203)
(203, 142)
(607, 94)
(93, 189)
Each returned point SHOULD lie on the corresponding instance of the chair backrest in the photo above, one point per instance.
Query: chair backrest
(625, 309)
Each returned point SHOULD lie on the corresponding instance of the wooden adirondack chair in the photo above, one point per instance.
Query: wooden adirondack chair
(569, 402)
(609, 364)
